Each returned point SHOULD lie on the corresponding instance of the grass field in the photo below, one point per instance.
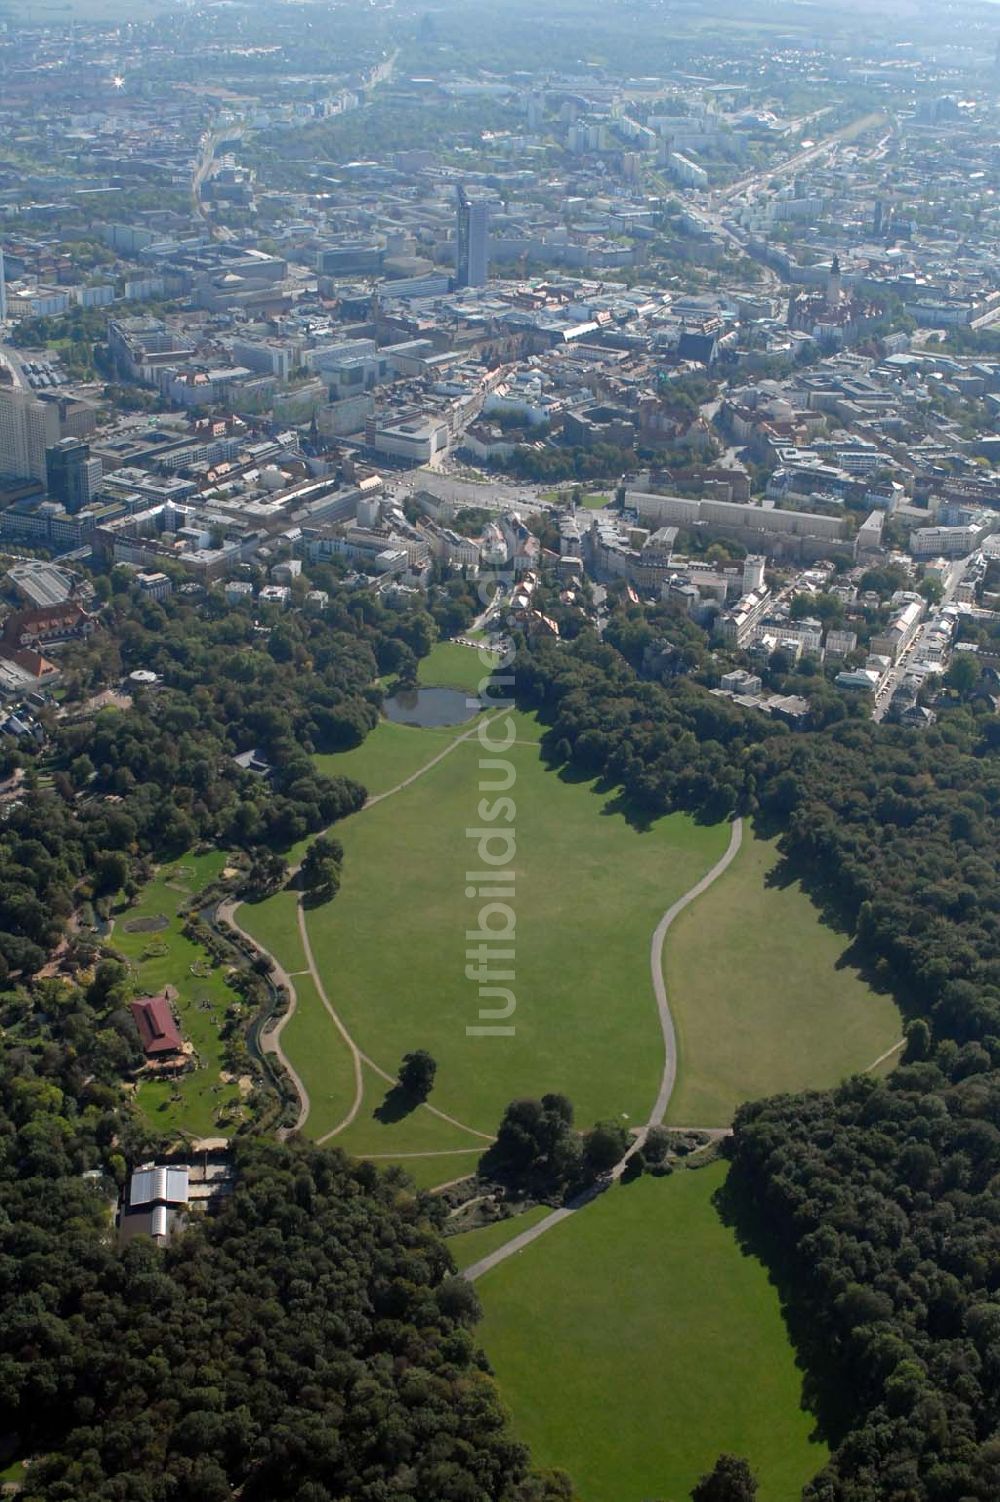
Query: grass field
(391, 948)
(635, 1341)
(274, 924)
(449, 665)
(320, 1056)
(431, 1173)
(760, 996)
(589, 891)
(593, 501)
(468, 1246)
(392, 752)
(387, 756)
(192, 1102)
(419, 1131)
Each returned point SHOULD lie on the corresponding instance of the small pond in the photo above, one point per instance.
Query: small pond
(429, 707)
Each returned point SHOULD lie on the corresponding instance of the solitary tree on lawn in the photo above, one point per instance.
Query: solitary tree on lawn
(416, 1074)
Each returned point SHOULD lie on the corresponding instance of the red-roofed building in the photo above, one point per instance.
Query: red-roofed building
(47, 625)
(158, 1032)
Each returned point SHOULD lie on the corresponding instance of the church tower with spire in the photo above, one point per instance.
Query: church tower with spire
(833, 288)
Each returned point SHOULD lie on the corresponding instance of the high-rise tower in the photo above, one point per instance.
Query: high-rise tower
(472, 261)
(28, 427)
(73, 476)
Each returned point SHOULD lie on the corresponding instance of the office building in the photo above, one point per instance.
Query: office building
(72, 475)
(27, 428)
(472, 262)
(3, 289)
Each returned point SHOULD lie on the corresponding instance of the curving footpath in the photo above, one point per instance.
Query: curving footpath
(667, 1080)
(271, 1042)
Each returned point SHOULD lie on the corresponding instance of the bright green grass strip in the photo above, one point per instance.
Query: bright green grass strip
(527, 724)
(431, 1173)
(321, 1057)
(635, 1341)
(274, 925)
(416, 1132)
(449, 665)
(761, 997)
(468, 1246)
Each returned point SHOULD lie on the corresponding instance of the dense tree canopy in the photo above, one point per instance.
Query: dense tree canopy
(156, 778)
(310, 1341)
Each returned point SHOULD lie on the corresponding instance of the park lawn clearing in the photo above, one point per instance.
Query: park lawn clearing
(274, 924)
(321, 1058)
(528, 726)
(761, 997)
(392, 752)
(589, 891)
(635, 1341)
(468, 1246)
(418, 1131)
(449, 665)
(432, 1173)
(192, 1102)
(388, 754)
(596, 502)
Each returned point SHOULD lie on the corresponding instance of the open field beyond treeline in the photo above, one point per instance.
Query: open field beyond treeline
(763, 996)
(636, 1341)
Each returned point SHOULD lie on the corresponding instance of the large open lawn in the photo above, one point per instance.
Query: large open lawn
(589, 892)
(193, 1102)
(635, 1341)
(760, 993)
(761, 996)
(449, 665)
(387, 756)
(321, 1059)
(391, 947)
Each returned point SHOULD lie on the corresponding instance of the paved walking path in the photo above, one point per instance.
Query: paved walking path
(271, 1041)
(667, 1079)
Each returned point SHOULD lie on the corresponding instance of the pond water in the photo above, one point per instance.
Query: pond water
(429, 707)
